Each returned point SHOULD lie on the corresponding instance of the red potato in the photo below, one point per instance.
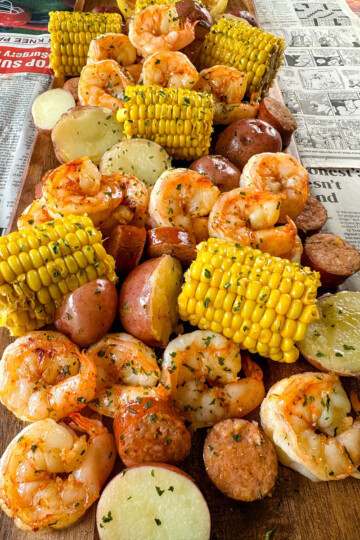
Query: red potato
(193, 11)
(279, 117)
(151, 429)
(245, 138)
(171, 504)
(86, 314)
(106, 9)
(126, 244)
(171, 241)
(148, 300)
(312, 218)
(334, 258)
(221, 171)
(71, 85)
(49, 106)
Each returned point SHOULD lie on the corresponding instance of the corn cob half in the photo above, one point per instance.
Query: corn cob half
(40, 265)
(244, 47)
(71, 33)
(177, 119)
(264, 303)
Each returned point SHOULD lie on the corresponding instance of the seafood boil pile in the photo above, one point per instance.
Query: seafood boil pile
(175, 244)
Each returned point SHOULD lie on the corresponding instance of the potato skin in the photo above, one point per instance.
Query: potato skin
(245, 138)
(71, 85)
(151, 430)
(87, 314)
(172, 241)
(126, 244)
(240, 460)
(223, 173)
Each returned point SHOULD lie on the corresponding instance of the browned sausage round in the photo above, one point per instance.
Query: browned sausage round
(240, 460)
(333, 257)
(126, 244)
(171, 241)
(312, 218)
(279, 117)
(151, 429)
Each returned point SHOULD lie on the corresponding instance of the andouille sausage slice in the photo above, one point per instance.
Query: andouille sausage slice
(240, 460)
(151, 429)
(126, 245)
(279, 117)
(171, 241)
(312, 218)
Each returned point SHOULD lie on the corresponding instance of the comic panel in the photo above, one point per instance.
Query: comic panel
(298, 58)
(299, 37)
(327, 57)
(302, 135)
(351, 78)
(325, 79)
(315, 104)
(292, 101)
(321, 14)
(289, 78)
(351, 133)
(325, 134)
(350, 57)
(333, 37)
(348, 105)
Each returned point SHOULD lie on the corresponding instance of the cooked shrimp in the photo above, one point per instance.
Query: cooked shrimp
(134, 70)
(248, 216)
(179, 196)
(159, 28)
(50, 475)
(228, 86)
(281, 174)
(134, 206)
(79, 188)
(294, 255)
(121, 361)
(103, 83)
(305, 416)
(170, 70)
(33, 215)
(44, 375)
(203, 370)
(110, 46)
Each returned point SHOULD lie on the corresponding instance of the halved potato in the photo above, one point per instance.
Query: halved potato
(144, 159)
(49, 106)
(332, 342)
(85, 131)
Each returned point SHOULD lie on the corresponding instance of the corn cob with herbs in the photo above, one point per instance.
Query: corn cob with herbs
(71, 34)
(177, 119)
(245, 48)
(40, 265)
(262, 302)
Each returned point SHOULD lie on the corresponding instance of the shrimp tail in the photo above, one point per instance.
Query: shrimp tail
(92, 427)
(250, 368)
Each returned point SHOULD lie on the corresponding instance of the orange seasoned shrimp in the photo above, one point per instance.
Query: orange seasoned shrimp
(79, 188)
(122, 363)
(103, 84)
(228, 86)
(170, 70)
(44, 375)
(180, 196)
(50, 474)
(248, 216)
(110, 46)
(281, 174)
(159, 28)
(203, 370)
(294, 255)
(306, 417)
(33, 215)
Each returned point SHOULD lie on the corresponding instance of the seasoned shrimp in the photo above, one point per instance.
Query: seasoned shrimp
(180, 196)
(159, 28)
(203, 370)
(294, 255)
(103, 83)
(248, 216)
(50, 475)
(134, 206)
(33, 215)
(44, 375)
(281, 174)
(228, 86)
(79, 188)
(305, 416)
(122, 363)
(110, 46)
(170, 70)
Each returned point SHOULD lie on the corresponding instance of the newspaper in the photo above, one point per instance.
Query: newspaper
(320, 77)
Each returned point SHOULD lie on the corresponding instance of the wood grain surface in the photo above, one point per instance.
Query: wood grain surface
(298, 509)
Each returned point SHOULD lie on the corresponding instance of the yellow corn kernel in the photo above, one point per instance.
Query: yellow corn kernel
(289, 328)
(309, 314)
(283, 304)
(301, 331)
(291, 356)
(268, 318)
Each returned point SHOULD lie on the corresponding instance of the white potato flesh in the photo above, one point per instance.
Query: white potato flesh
(144, 159)
(85, 131)
(332, 342)
(49, 106)
(152, 503)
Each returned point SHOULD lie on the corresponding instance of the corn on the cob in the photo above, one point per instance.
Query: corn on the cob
(71, 33)
(246, 48)
(264, 303)
(179, 120)
(142, 4)
(40, 265)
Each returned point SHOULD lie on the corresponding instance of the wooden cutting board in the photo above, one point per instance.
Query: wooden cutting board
(298, 508)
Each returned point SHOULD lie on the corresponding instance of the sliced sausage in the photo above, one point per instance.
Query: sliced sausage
(279, 117)
(171, 241)
(126, 245)
(312, 218)
(151, 429)
(333, 257)
(240, 459)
